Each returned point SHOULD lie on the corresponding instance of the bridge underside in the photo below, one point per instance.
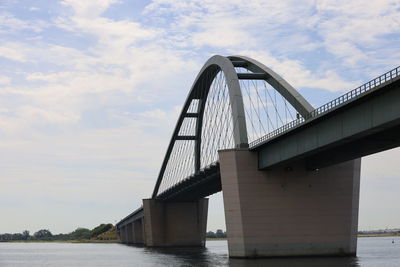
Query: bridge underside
(201, 184)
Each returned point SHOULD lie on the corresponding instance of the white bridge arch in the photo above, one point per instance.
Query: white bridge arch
(219, 82)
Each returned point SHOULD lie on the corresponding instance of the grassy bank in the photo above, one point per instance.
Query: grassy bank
(104, 233)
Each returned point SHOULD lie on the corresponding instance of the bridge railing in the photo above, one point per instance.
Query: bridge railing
(353, 94)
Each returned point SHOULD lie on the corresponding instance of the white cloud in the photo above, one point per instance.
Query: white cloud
(10, 126)
(40, 115)
(154, 114)
(92, 8)
(256, 29)
(351, 31)
(299, 76)
(9, 24)
(351, 27)
(12, 51)
(94, 112)
(4, 80)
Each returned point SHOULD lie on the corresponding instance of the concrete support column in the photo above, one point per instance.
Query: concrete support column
(119, 233)
(138, 232)
(123, 235)
(129, 233)
(289, 212)
(132, 232)
(175, 223)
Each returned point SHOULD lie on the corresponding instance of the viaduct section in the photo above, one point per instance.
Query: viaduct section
(289, 173)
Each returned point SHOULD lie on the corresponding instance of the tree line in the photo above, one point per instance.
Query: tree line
(218, 234)
(101, 232)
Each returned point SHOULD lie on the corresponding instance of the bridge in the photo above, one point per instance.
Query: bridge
(289, 172)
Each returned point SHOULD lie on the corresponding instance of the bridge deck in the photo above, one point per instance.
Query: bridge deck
(353, 95)
(363, 125)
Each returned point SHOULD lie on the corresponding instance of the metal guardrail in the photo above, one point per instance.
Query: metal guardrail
(355, 93)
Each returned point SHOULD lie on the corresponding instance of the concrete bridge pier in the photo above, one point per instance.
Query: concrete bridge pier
(138, 231)
(129, 233)
(175, 223)
(123, 234)
(292, 212)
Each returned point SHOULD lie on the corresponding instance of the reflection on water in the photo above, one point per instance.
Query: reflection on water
(216, 254)
(297, 262)
(375, 251)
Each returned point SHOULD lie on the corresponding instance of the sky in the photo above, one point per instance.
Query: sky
(90, 92)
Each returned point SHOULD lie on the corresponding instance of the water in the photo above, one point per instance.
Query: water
(372, 251)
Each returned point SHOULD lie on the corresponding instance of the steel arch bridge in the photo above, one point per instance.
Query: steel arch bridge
(260, 122)
(233, 101)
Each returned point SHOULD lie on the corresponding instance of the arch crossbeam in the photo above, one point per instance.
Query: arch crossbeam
(281, 85)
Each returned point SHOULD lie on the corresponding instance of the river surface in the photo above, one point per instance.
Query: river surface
(372, 251)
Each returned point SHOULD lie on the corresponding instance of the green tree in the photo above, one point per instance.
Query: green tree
(25, 234)
(210, 234)
(43, 234)
(220, 234)
(80, 233)
(102, 228)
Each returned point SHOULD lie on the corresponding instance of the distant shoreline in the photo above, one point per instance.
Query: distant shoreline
(118, 241)
(379, 235)
(359, 235)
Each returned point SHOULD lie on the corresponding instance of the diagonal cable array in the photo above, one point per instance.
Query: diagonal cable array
(266, 110)
(207, 125)
(217, 131)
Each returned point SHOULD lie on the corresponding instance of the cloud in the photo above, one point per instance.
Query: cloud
(351, 28)
(89, 8)
(11, 51)
(154, 114)
(10, 24)
(4, 80)
(40, 115)
(90, 94)
(346, 33)
(235, 27)
(299, 76)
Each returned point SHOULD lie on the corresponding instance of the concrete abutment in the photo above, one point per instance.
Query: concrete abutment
(289, 213)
